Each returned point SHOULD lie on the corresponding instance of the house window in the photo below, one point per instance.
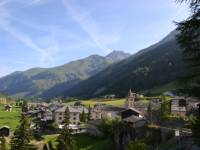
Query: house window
(60, 118)
(74, 114)
(60, 113)
(74, 118)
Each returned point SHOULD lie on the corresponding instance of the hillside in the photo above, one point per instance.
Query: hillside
(152, 67)
(34, 82)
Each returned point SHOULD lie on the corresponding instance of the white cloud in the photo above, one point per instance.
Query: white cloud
(5, 24)
(38, 2)
(87, 23)
(25, 39)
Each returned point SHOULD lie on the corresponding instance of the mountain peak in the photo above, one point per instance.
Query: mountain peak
(117, 55)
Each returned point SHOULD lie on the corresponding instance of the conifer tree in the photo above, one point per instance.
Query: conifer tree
(65, 141)
(24, 106)
(189, 40)
(164, 108)
(83, 116)
(89, 113)
(22, 136)
(149, 113)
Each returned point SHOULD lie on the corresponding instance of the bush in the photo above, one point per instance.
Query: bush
(137, 145)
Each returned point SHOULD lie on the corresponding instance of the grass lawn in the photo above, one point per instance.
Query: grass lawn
(10, 119)
(83, 142)
(92, 102)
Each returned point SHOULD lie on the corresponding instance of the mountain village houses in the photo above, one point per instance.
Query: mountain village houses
(56, 112)
(134, 112)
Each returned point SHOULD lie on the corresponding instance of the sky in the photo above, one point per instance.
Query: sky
(48, 33)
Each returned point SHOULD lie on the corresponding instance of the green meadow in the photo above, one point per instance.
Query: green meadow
(10, 119)
(92, 102)
(83, 142)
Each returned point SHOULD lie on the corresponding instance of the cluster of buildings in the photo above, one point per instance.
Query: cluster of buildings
(134, 112)
(56, 112)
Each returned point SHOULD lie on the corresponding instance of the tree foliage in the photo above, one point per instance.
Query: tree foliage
(189, 40)
(137, 145)
(89, 113)
(195, 125)
(25, 106)
(65, 141)
(83, 116)
(22, 136)
(165, 110)
(3, 145)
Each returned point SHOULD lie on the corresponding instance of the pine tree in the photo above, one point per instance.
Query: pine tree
(189, 40)
(22, 136)
(24, 106)
(83, 116)
(65, 141)
(164, 108)
(149, 113)
(89, 113)
(3, 143)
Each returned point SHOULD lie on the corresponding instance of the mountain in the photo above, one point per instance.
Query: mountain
(153, 67)
(34, 82)
(117, 56)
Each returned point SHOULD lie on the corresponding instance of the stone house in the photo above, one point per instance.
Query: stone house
(102, 111)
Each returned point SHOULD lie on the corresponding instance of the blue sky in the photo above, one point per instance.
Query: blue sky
(47, 33)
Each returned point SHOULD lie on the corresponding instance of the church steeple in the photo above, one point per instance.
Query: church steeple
(130, 99)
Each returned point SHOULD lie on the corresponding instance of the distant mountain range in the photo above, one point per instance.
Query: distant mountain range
(48, 82)
(154, 67)
(151, 68)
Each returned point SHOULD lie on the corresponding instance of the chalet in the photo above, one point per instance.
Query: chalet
(4, 131)
(178, 106)
(8, 108)
(133, 117)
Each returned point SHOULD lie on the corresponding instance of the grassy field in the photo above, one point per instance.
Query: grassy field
(83, 142)
(10, 119)
(161, 89)
(92, 102)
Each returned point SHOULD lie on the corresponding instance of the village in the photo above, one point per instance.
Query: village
(168, 114)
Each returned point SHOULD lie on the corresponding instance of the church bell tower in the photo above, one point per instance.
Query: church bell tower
(130, 100)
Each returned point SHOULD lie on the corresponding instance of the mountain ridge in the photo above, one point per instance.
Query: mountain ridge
(156, 65)
(33, 82)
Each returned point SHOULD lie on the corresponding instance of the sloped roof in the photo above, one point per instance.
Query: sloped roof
(133, 119)
(72, 109)
(132, 109)
(113, 108)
